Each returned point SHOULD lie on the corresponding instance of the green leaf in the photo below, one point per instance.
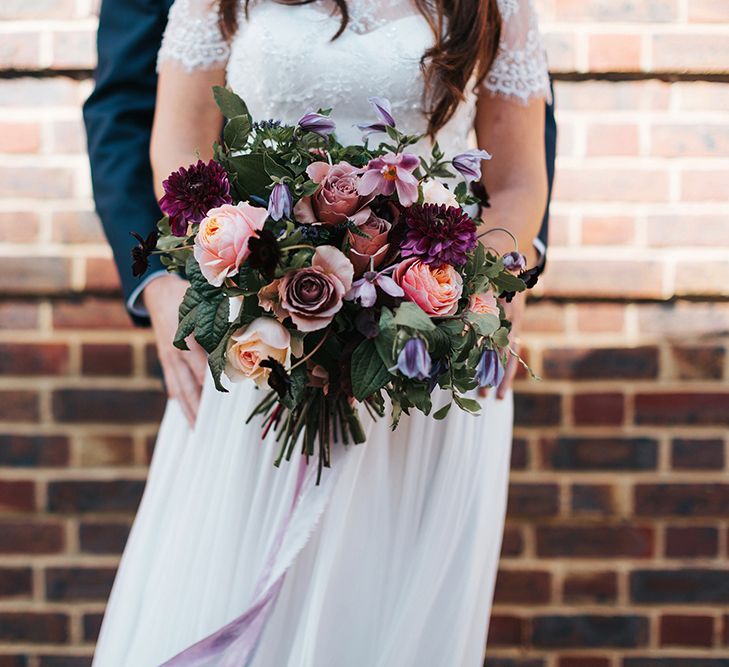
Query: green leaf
(500, 337)
(467, 404)
(299, 378)
(216, 362)
(236, 131)
(250, 176)
(485, 323)
(438, 342)
(411, 315)
(273, 168)
(508, 282)
(385, 341)
(442, 412)
(211, 322)
(368, 372)
(186, 315)
(230, 104)
(308, 188)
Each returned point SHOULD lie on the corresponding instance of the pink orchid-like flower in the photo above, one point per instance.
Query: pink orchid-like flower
(388, 173)
(363, 290)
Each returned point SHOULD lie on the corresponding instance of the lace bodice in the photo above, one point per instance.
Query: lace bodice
(282, 60)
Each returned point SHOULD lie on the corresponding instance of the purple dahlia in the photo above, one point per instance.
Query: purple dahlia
(438, 234)
(190, 193)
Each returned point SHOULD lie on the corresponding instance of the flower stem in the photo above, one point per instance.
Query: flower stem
(313, 352)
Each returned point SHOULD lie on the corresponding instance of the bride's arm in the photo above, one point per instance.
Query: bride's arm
(516, 176)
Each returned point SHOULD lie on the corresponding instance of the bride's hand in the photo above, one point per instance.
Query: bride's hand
(184, 372)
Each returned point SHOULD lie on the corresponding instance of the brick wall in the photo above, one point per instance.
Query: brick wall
(615, 553)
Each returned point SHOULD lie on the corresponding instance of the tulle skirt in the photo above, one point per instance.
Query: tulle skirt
(390, 562)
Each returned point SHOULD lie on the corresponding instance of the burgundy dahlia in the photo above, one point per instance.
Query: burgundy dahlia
(190, 193)
(438, 234)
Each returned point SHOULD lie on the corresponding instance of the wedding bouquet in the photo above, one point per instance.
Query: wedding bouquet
(334, 275)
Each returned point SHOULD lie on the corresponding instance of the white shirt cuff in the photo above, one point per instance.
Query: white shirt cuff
(541, 250)
(134, 302)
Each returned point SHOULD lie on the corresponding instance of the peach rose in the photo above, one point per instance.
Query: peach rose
(249, 346)
(221, 244)
(337, 199)
(435, 289)
(485, 303)
(434, 192)
(361, 249)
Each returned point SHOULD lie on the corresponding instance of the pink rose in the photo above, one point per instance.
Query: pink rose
(484, 303)
(313, 295)
(249, 346)
(337, 199)
(221, 244)
(435, 289)
(362, 249)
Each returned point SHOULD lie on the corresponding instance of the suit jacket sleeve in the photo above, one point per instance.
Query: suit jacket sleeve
(118, 117)
(550, 145)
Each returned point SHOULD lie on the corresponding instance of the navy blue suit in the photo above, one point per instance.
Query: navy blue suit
(118, 117)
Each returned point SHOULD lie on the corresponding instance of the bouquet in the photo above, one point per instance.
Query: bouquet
(335, 276)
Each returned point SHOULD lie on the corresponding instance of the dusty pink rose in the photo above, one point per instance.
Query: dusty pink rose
(337, 199)
(485, 303)
(362, 249)
(313, 295)
(249, 346)
(435, 289)
(221, 244)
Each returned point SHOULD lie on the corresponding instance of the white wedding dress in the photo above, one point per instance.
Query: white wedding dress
(391, 561)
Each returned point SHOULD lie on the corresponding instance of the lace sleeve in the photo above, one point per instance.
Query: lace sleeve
(193, 37)
(520, 68)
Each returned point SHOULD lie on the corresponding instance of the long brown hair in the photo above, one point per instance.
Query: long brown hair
(466, 34)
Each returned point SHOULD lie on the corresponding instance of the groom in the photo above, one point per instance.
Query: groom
(118, 117)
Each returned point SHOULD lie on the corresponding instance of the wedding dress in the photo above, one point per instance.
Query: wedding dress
(391, 561)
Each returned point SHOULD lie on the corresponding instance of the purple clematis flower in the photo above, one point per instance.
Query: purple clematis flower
(414, 361)
(280, 202)
(468, 164)
(514, 262)
(317, 123)
(363, 290)
(383, 111)
(383, 175)
(490, 371)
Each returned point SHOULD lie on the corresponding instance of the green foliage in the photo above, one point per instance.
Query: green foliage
(230, 104)
(411, 315)
(368, 372)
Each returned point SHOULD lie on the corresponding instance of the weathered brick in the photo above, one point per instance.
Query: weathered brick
(692, 542)
(697, 454)
(17, 495)
(598, 409)
(80, 227)
(118, 495)
(684, 630)
(595, 542)
(100, 450)
(31, 537)
(666, 408)
(107, 405)
(16, 582)
(593, 499)
(42, 627)
(90, 313)
(79, 583)
(33, 450)
(590, 588)
(694, 362)
(684, 586)
(589, 631)
(533, 500)
(103, 538)
(35, 275)
(36, 183)
(106, 359)
(536, 409)
(33, 358)
(18, 315)
(681, 499)
(101, 276)
(706, 52)
(592, 453)
(528, 587)
(638, 363)
(19, 405)
(506, 630)
(611, 52)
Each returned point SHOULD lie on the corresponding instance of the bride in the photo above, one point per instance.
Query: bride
(391, 561)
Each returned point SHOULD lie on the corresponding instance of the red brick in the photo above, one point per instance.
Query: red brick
(533, 500)
(640, 11)
(19, 137)
(562, 51)
(600, 184)
(594, 542)
(68, 137)
(606, 96)
(618, 230)
(25, 92)
(637, 363)
(667, 231)
(16, 405)
(20, 50)
(593, 500)
(698, 362)
(36, 182)
(33, 359)
(38, 9)
(589, 631)
(35, 275)
(686, 630)
(506, 630)
(18, 315)
(19, 226)
(600, 317)
(77, 227)
(697, 454)
(106, 359)
(103, 538)
(707, 409)
(544, 317)
(65, 660)
(17, 495)
(692, 542)
(532, 409)
(102, 276)
(689, 140)
(74, 49)
(674, 320)
(712, 279)
(599, 453)
(593, 408)
(680, 586)
(102, 450)
(707, 11)
(93, 314)
(705, 185)
(107, 405)
(41, 627)
(705, 53)
(16, 582)
(512, 544)
(519, 454)
(31, 537)
(33, 450)
(590, 587)
(79, 583)
(666, 499)
(584, 661)
(118, 495)
(615, 53)
(529, 587)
